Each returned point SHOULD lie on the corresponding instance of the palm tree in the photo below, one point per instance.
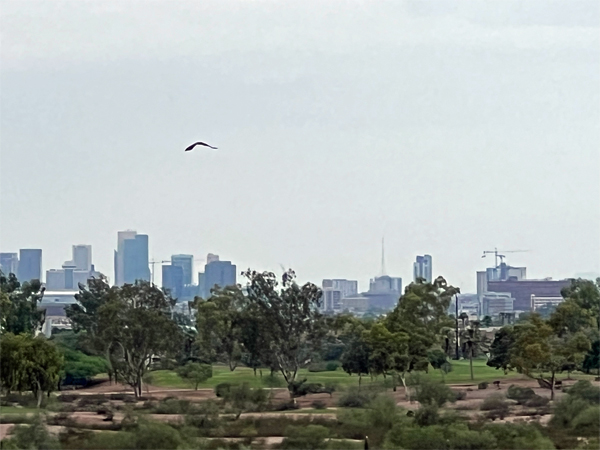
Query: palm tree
(471, 342)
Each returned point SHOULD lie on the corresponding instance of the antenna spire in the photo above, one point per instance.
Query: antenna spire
(383, 271)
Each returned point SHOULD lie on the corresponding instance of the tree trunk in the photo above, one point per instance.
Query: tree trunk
(471, 363)
(359, 381)
(406, 391)
(552, 386)
(39, 394)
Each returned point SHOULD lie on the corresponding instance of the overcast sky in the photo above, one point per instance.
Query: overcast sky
(450, 127)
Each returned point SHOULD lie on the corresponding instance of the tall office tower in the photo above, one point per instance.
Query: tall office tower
(131, 258)
(218, 273)
(55, 279)
(172, 279)
(30, 264)
(82, 257)
(9, 263)
(186, 262)
(422, 268)
(211, 257)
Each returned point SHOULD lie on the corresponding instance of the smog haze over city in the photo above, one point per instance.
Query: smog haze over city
(450, 128)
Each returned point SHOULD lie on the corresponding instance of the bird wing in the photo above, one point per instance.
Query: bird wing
(199, 143)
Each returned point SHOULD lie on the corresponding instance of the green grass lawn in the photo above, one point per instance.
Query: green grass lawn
(13, 410)
(221, 374)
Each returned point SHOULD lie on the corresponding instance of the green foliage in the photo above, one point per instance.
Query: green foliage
(496, 405)
(19, 311)
(223, 389)
(311, 437)
(130, 324)
(195, 373)
(592, 358)
(520, 394)
(566, 410)
(155, 435)
(33, 437)
(584, 390)
(243, 398)
(483, 385)
(587, 422)
(28, 363)
(429, 392)
(353, 398)
(454, 436)
(291, 325)
(219, 323)
(427, 415)
(500, 355)
(420, 316)
(519, 436)
(486, 322)
(375, 420)
(332, 366)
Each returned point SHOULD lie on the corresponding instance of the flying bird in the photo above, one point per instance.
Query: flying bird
(199, 143)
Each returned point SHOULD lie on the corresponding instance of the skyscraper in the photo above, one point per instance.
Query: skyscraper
(122, 236)
(9, 263)
(172, 279)
(30, 264)
(218, 273)
(82, 257)
(131, 258)
(135, 259)
(186, 262)
(422, 268)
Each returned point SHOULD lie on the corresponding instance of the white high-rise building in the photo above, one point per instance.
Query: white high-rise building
(335, 290)
(82, 257)
(423, 268)
(122, 236)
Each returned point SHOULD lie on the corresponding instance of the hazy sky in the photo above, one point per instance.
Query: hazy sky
(451, 127)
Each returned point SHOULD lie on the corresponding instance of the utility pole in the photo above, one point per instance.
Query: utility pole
(456, 337)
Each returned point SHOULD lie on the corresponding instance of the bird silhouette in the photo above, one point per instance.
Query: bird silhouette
(199, 143)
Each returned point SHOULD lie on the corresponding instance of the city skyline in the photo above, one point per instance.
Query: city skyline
(449, 128)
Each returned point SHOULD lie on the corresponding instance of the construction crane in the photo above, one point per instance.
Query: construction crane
(497, 254)
(166, 261)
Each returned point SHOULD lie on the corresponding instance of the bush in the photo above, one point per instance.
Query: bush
(566, 410)
(286, 406)
(433, 393)
(427, 415)
(520, 394)
(496, 405)
(34, 436)
(317, 367)
(461, 395)
(273, 381)
(519, 436)
(483, 385)
(537, 402)
(584, 390)
(173, 406)
(311, 437)
(332, 366)
(222, 389)
(588, 421)
(354, 399)
(319, 404)
(156, 435)
(205, 415)
(16, 418)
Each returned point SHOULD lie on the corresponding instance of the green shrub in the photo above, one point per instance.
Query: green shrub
(588, 421)
(519, 436)
(461, 395)
(332, 366)
(204, 415)
(34, 436)
(311, 437)
(520, 394)
(103, 440)
(273, 381)
(286, 406)
(222, 389)
(172, 406)
(319, 404)
(427, 415)
(16, 418)
(354, 399)
(483, 385)
(566, 410)
(430, 392)
(156, 435)
(496, 405)
(537, 402)
(584, 390)
(317, 367)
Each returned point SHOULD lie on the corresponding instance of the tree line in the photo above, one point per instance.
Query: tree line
(273, 323)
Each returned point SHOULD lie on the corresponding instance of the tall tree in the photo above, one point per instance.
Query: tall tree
(473, 343)
(421, 314)
(292, 325)
(540, 353)
(500, 350)
(219, 321)
(19, 303)
(132, 324)
(29, 363)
